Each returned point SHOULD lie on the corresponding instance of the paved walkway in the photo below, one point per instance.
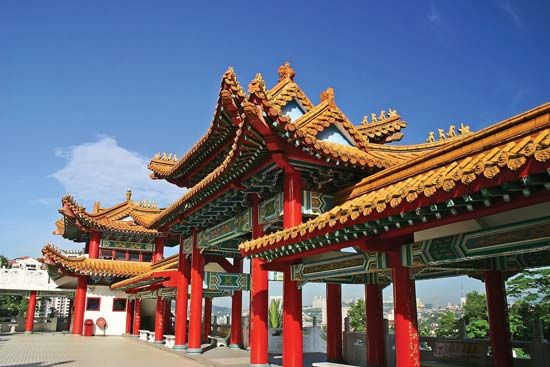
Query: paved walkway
(65, 350)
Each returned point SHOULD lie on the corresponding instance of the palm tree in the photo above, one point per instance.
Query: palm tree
(275, 314)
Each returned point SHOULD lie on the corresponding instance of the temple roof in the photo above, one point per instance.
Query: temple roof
(287, 90)
(95, 267)
(170, 263)
(209, 152)
(187, 171)
(384, 128)
(483, 156)
(261, 122)
(127, 219)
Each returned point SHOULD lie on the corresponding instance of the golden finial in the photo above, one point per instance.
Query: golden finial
(365, 120)
(328, 95)
(441, 133)
(382, 115)
(373, 117)
(175, 157)
(464, 129)
(128, 195)
(157, 156)
(286, 72)
(392, 112)
(257, 84)
(431, 137)
(229, 72)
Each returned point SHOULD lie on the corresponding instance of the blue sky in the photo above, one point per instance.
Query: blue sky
(90, 90)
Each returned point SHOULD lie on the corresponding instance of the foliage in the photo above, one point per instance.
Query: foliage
(424, 328)
(475, 307)
(447, 325)
(12, 306)
(357, 316)
(275, 314)
(531, 291)
(477, 328)
(3, 261)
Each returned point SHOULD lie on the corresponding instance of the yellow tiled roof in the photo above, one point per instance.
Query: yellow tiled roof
(504, 146)
(286, 90)
(94, 267)
(169, 263)
(163, 167)
(127, 217)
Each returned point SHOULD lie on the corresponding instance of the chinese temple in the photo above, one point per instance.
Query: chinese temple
(290, 184)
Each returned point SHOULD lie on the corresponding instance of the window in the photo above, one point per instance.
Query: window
(119, 304)
(120, 255)
(93, 303)
(134, 256)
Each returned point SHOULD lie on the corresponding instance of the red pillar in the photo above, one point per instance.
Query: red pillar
(181, 303)
(499, 327)
(159, 320)
(197, 269)
(79, 305)
(258, 299)
(129, 315)
(31, 306)
(207, 317)
(93, 247)
(292, 295)
(159, 250)
(137, 317)
(407, 344)
(236, 312)
(375, 325)
(334, 323)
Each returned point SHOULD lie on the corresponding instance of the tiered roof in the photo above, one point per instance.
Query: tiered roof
(83, 265)
(127, 220)
(155, 270)
(492, 157)
(259, 123)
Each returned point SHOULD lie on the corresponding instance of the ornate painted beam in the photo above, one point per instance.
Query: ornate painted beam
(505, 240)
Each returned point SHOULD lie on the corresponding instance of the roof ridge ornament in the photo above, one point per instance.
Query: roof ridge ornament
(391, 113)
(452, 133)
(286, 72)
(328, 95)
(129, 195)
(257, 85)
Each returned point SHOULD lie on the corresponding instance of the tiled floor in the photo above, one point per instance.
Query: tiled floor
(49, 350)
(52, 350)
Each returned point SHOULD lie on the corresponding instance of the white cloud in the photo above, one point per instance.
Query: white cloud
(433, 16)
(507, 8)
(103, 171)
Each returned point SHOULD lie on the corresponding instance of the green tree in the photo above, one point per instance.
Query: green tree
(357, 316)
(275, 314)
(475, 307)
(531, 291)
(475, 315)
(447, 325)
(477, 328)
(3, 261)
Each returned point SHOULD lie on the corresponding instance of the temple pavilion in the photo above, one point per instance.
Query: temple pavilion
(290, 184)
